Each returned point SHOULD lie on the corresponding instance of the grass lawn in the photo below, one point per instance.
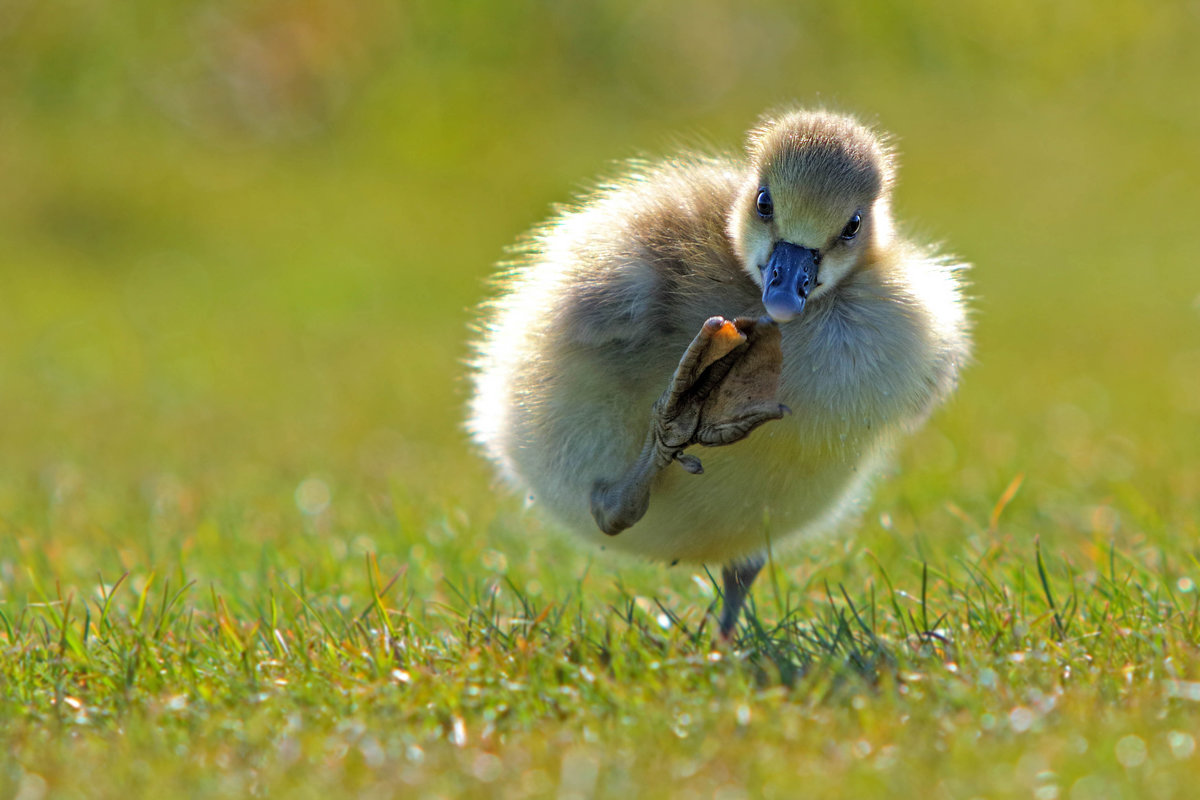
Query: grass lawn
(246, 550)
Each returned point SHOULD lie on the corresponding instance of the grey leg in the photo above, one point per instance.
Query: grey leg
(618, 504)
(737, 578)
(726, 385)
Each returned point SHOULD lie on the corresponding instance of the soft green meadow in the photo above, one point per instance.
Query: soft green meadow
(246, 550)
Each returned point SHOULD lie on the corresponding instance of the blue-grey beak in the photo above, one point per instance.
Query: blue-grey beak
(788, 277)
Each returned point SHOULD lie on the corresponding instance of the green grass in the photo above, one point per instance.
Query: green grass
(245, 548)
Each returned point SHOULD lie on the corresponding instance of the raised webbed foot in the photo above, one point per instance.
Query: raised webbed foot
(747, 394)
(726, 385)
(709, 359)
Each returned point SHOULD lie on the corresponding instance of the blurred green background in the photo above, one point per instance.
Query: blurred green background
(240, 245)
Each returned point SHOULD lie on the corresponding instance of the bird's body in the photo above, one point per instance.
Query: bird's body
(592, 322)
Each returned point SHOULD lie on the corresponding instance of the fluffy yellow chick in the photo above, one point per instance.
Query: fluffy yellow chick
(599, 360)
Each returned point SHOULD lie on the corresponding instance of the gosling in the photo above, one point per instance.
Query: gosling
(597, 361)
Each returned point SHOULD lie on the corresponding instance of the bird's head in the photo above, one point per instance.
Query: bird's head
(816, 209)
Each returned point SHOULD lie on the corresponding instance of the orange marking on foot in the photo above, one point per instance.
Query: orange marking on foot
(724, 341)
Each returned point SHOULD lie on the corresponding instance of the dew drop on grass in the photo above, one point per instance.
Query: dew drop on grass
(1186, 585)
(458, 733)
(887, 757)
(494, 561)
(1187, 690)
(1021, 719)
(1182, 744)
(1046, 776)
(372, 752)
(1131, 751)
(313, 496)
(487, 767)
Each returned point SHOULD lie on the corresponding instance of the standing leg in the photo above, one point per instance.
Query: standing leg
(737, 578)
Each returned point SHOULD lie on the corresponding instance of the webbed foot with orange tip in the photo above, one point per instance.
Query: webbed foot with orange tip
(725, 386)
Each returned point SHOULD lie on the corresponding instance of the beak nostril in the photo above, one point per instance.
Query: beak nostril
(787, 279)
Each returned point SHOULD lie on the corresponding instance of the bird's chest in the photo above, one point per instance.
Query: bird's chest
(851, 378)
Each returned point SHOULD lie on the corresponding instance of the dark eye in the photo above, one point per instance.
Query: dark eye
(851, 229)
(764, 206)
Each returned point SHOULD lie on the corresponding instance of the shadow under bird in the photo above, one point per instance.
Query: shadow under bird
(691, 301)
